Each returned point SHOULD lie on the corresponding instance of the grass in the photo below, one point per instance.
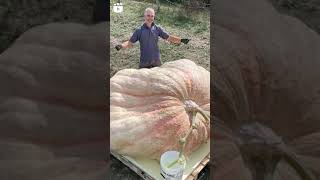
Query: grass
(175, 20)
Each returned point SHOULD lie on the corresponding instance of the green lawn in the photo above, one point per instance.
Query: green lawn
(176, 21)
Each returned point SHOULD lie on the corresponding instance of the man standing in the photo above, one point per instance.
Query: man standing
(148, 36)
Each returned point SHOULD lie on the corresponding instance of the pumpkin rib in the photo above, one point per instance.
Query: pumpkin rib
(187, 82)
(28, 48)
(191, 96)
(137, 140)
(182, 77)
(141, 95)
(197, 89)
(139, 117)
(170, 86)
(145, 115)
(181, 93)
(143, 139)
(155, 125)
(153, 111)
(20, 72)
(307, 145)
(176, 91)
(136, 101)
(148, 109)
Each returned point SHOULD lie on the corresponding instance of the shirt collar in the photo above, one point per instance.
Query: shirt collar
(145, 25)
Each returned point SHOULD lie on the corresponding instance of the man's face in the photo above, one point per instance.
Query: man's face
(149, 16)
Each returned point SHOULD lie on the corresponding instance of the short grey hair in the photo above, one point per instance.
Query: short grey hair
(149, 9)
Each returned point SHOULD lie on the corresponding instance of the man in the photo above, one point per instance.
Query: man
(148, 35)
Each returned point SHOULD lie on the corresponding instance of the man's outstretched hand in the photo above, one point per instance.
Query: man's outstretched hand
(185, 41)
(118, 47)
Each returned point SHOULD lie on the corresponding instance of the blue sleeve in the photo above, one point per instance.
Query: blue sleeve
(135, 36)
(163, 34)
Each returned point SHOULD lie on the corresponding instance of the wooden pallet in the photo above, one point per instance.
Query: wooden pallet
(198, 169)
(150, 169)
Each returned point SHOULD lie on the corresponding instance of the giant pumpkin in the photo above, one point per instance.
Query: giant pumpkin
(52, 105)
(266, 94)
(151, 110)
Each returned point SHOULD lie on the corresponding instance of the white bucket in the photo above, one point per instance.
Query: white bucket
(176, 171)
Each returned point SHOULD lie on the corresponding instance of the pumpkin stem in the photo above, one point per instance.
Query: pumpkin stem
(182, 141)
(292, 159)
(194, 109)
(173, 163)
(201, 111)
(262, 150)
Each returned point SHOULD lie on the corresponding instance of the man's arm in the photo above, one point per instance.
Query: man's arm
(134, 38)
(174, 39)
(171, 38)
(127, 44)
(124, 45)
(177, 40)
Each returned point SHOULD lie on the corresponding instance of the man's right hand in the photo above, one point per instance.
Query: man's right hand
(118, 47)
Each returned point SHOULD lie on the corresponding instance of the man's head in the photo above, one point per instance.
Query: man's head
(149, 15)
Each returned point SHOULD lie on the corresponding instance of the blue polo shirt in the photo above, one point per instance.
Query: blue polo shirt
(149, 49)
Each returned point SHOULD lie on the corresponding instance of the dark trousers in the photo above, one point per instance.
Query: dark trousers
(155, 64)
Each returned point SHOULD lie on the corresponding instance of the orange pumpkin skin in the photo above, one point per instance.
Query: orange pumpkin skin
(52, 105)
(265, 72)
(147, 106)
